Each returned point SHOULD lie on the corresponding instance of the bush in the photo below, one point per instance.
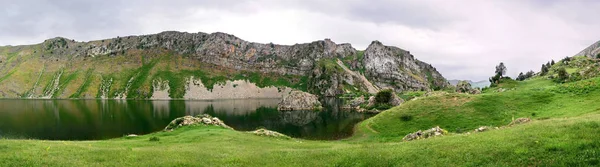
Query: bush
(406, 117)
(383, 96)
(563, 75)
(154, 138)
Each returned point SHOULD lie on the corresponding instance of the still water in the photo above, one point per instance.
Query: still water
(105, 119)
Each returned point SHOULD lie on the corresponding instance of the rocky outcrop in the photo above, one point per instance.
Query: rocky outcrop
(269, 133)
(592, 51)
(436, 131)
(194, 121)
(298, 100)
(465, 87)
(392, 67)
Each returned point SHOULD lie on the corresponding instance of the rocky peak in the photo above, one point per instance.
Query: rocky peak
(592, 51)
(395, 68)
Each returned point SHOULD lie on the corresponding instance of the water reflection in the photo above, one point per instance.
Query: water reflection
(103, 119)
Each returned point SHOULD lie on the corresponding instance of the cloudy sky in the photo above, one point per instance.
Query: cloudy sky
(463, 39)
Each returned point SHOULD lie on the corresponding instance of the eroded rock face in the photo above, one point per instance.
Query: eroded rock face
(298, 100)
(392, 67)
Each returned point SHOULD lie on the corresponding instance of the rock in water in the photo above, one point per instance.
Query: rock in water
(298, 100)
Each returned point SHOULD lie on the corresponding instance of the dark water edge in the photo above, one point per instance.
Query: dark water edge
(106, 119)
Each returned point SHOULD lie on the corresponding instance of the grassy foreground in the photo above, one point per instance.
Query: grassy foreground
(565, 132)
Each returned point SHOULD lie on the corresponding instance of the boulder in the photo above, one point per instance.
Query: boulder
(371, 101)
(298, 100)
(193, 121)
(465, 87)
(482, 129)
(357, 101)
(269, 133)
(436, 131)
(519, 121)
(395, 101)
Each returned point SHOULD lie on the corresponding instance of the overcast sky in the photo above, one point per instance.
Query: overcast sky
(463, 39)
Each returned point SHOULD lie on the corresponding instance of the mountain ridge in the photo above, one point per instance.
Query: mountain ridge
(135, 66)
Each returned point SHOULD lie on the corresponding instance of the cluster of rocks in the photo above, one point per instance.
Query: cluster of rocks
(436, 131)
(298, 100)
(520, 121)
(465, 87)
(269, 133)
(194, 121)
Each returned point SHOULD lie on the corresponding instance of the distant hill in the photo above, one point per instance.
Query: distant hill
(478, 84)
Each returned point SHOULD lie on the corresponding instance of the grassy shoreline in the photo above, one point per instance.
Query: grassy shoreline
(564, 132)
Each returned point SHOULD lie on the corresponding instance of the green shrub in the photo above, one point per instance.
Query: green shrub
(406, 117)
(383, 96)
(154, 138)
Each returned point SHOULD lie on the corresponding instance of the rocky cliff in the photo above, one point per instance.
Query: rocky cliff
(592, 51)
(172, 64)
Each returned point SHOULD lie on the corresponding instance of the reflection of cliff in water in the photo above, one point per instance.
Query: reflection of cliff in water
(103, 119)
(332, 123)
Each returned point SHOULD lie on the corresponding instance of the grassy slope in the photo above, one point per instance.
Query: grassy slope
(556, 142)
(536, 98)
(564, 132)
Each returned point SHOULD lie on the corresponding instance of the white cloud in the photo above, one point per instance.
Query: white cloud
(464, 39)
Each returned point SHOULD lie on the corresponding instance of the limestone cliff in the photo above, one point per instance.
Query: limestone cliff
(163, 65)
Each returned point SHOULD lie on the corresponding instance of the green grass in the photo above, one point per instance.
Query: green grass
(554, 142)
(461, 112)
(86, 83)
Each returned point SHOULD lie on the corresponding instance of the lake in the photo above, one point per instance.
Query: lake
(105, 119)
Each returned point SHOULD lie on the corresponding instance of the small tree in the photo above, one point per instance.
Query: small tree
(521, 77)
(544, 70)
(529, 74)
(552, 62)
(501, 69)
(563, 75)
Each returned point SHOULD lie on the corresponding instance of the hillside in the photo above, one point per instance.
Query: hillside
(178, 65)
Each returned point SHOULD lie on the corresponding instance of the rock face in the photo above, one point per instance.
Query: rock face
(321, 67)
(436, 131)
(193, 121)
(465, 87)
(592, 51)
(298, 100)
(392, 67)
